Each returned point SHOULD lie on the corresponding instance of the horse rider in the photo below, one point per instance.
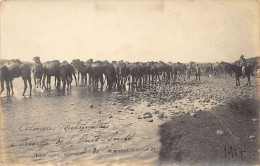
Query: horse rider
(242, 63)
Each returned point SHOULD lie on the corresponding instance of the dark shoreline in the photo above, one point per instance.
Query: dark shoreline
(187, 140)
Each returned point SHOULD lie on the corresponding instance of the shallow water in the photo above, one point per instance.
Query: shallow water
(83, 126)
(63, 127)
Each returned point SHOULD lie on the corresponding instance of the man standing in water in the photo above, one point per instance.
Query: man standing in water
(242, 63)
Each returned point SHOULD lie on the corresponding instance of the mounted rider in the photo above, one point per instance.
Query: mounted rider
(242, 63)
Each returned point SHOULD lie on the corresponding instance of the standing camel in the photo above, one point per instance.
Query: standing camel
(51, 68)
(81, 68)
(18, 69)
(191, 68)
(38, 71)
(66, 73)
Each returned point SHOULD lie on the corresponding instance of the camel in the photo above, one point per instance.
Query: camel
(38, 71)
(110, 74)
(122, 74)
(178, 69)
(135, 71)
(96, 71)
(81, 68)
(209, 70)
(66, 73)
(160, 69)
(195, 69)
(18, 69)
(51, 68)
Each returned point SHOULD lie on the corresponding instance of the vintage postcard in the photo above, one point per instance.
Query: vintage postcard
(129, 82)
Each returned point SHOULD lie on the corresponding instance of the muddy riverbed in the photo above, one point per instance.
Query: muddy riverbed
(101, 127)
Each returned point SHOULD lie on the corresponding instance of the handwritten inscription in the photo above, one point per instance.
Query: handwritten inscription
(80, 126)
(32, 142)
(104, 150)
(76, 135)
(74, 139)
(232, 152)
(37, 154)
(33, 127)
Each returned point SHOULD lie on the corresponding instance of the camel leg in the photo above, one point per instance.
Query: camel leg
(70, 80)
(43, 81)
(58, 82)
(7, 87)
(129, 83)
(64, 84)
(30, 84)
(86, 78)
(25, 85)
(40, 82)
(82, 78)
(47, 82)
(237, 81)
(11, 83)
(75, 78)
(124, 82)
(35, 82)
(101, 81)
(69, 83)
(2, 86)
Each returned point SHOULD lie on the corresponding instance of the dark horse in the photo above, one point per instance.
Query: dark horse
(238, 73)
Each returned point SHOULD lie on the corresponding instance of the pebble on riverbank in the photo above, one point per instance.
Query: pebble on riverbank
(255, 120)
(147, 115)
(220, 132)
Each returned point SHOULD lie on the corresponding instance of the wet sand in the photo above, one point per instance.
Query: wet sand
(82, 126)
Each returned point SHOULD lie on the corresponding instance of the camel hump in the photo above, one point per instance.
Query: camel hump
(25, 68)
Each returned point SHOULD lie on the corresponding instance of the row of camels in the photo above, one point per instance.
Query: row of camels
(117, 74)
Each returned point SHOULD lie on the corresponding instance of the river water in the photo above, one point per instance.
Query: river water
(77, 126)
(83, 126)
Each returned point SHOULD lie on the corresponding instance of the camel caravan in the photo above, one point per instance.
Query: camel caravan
(117, 74)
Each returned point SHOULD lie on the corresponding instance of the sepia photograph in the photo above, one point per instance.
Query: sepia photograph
(129, 82)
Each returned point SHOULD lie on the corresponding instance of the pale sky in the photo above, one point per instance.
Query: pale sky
(144, 30)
